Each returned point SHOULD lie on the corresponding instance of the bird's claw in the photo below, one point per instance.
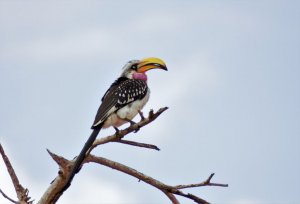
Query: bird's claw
(136, 130)
(117, 131)
(133, 123)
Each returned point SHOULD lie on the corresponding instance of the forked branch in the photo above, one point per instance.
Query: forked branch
(167, 189)
(22, 193)
(204, 183)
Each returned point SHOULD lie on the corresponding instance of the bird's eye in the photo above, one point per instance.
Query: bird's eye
(134, 67)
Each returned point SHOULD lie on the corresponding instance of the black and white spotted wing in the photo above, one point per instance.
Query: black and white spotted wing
(121, 93)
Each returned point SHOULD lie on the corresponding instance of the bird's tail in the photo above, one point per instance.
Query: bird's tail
(81, 156)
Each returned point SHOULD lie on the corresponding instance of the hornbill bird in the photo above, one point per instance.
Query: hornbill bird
(121, 103)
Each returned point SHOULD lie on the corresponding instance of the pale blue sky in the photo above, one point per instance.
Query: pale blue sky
(232, 88)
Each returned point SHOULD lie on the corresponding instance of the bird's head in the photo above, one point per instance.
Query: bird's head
(135, 69)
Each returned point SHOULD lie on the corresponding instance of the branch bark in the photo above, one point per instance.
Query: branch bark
(22, 193)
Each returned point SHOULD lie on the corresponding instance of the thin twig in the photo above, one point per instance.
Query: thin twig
(8, 198)
(204, 183)
(138, 144)
(21, 192)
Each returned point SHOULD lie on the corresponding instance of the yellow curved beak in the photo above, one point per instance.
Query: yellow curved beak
(151, 63)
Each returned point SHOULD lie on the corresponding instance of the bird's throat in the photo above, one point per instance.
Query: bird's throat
(140, 76)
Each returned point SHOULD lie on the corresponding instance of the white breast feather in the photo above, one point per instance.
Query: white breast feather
(127, 112)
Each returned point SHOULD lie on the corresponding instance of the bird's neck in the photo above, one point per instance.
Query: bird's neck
(139, 76)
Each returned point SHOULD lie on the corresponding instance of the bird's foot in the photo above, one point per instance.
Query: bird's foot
(117, 130)
(130, 121)
(141, 115)
(136, 130)
(133, 123)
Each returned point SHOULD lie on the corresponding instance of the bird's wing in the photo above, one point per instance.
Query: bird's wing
(121, 93)
(114, 86)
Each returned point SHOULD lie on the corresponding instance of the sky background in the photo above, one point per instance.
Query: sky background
(232, 90)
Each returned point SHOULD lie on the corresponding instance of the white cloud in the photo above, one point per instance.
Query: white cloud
(81, 45)
(186, 79)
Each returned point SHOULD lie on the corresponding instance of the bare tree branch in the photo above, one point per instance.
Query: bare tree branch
(167, 189)
(117, 136)
(21, 192)
(204, 183)
(52, 194)
(54, 191)
(138, 144)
